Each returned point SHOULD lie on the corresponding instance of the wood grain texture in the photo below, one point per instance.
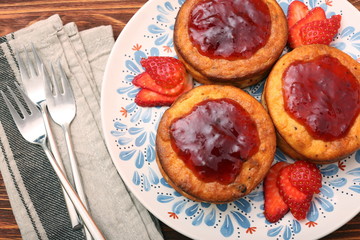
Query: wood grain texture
(16, 14)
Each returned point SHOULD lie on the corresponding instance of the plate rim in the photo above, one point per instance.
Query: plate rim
(113, 53)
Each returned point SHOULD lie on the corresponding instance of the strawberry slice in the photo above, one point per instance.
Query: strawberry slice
(275, 207)
(306, 177)
(164, 79)
(321, 31)
(148, 98)
(298, 202)
(144, 80)
(300, 210)
(167, 72)
(314, 14)
(297, 10)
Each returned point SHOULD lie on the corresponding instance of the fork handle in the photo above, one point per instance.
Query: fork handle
(74, 219)
(75, 171)
(88, 221)
(74, 165)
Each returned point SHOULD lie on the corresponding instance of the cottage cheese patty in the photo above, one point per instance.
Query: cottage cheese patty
(215, 144)
(313, 97)
(230, 42)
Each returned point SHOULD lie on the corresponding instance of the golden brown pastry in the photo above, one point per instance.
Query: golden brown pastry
(313, 97)
(230, 42)
(215, 144)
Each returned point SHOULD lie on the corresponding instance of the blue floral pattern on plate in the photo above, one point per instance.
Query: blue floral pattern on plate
(132, 132)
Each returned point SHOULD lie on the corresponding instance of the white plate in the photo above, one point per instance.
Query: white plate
(130, 137)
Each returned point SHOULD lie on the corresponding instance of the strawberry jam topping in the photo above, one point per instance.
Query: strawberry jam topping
(322, 95)
(229, 29)
(214, 139)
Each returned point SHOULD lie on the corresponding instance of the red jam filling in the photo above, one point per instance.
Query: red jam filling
(322, 95)
(229, 29)
(214, 139)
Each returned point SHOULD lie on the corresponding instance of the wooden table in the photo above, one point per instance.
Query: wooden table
(16, 14)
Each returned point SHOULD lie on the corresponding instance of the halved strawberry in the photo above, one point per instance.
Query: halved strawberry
(275, 207)
(321, 31)
(306, 177)
(144, 80)
(298, 202)
(167, 72)
(297, 10)
(314, 14)
(148, 98)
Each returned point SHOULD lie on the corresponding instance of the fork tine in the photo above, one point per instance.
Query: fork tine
(19, 104)
(13, 112)
(32, 107)
(48, 84)
(55, 90)
(65, 81)
(30, 64)
(38, 61)
(23, 72)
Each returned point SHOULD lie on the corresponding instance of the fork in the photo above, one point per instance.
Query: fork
(62, 108)
(33, 83)
(32, 128)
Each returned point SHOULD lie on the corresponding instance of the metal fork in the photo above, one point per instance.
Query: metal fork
(33, 83)
(62, 108)
(32, 128)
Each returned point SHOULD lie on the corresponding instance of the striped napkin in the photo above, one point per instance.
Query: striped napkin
(33, 188)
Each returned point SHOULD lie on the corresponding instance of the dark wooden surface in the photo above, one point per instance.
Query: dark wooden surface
(16, 14)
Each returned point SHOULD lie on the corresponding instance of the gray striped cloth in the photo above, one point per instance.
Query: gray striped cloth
(33, 188)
